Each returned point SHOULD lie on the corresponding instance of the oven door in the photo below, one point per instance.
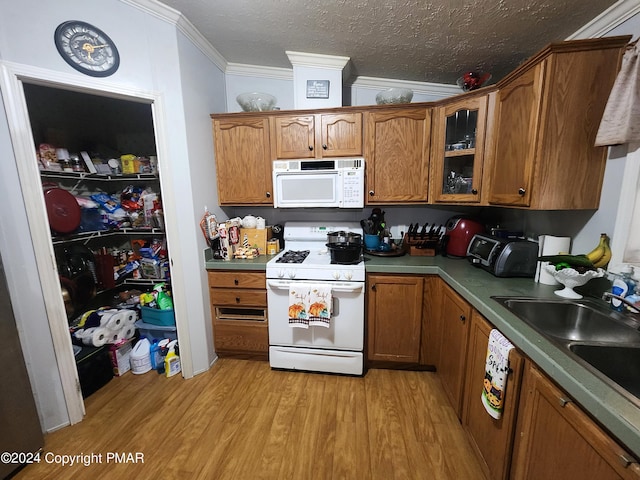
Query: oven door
(307, 189)
(346, 331)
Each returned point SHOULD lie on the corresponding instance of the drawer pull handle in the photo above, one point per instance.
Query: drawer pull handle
(237, 299)
(310, 148)
(521, 192)
(324, 147)
(626, 459)
(563, 401)
(235, 281)
(462, 318)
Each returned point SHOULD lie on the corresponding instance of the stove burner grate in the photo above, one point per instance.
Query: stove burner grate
(293, 256)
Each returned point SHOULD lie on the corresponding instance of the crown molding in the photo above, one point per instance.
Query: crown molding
(174, 17)
(424, 88)
(244, 70)
(615, 15)
(316, 60)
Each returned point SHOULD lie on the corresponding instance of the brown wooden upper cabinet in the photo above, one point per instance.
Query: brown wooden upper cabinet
(458, 150)
(317, 135)
(547, 115)
(243, 162)
(396, 147)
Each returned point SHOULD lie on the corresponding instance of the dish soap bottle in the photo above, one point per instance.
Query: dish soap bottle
(172, 360)
(623, 287)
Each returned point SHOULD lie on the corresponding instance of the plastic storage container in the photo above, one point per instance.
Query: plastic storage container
(155, 316)
(156, 331)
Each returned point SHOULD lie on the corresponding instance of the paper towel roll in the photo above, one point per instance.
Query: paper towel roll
(130, 316)
(550, 245)
(95, 336)
(126, 332)
(115, 321)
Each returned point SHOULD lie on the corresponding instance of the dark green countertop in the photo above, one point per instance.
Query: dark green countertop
(612, 409)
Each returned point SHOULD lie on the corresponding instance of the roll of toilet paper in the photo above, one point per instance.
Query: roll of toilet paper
(550, 245)
(95, 336)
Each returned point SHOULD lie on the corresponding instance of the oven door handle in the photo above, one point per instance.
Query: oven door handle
(348, 287)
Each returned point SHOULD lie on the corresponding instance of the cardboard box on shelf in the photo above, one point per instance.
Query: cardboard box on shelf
(257, 238)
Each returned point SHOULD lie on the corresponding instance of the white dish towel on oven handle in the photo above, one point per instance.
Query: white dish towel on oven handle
(320, 301)
(298, 305)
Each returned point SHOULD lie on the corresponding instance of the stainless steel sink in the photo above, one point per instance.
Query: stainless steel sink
(604, 341)
(574, 321)
(619, 363)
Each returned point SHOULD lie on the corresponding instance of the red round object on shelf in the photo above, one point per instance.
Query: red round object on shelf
(62, 209)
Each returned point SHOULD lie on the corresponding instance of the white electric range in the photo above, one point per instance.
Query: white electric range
(305, 263)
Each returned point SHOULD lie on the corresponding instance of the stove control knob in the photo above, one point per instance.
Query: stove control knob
(336, 275)
(291, 274)
(280, 273)
(348, 275)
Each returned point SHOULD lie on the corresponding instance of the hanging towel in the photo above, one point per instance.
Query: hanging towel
(496, 372)
(621, 118)
(298, 299)
(320, 299)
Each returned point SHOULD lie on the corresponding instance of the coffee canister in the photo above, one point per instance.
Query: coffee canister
(272, 246)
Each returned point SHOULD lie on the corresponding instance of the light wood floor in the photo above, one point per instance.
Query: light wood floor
(243, 421)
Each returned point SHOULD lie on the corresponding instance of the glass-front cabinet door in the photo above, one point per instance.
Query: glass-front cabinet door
(458, 150)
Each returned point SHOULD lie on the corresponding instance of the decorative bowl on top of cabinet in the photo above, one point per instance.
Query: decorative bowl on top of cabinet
(547, 115)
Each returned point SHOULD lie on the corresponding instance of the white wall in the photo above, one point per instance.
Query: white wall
(204, 88)
(153, 59)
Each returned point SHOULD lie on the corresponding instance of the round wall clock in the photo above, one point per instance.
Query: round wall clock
(87, 48)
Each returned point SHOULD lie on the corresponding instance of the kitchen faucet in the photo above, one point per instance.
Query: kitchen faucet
(609, 295)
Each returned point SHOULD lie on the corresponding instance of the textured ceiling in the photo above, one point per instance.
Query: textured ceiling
(417, 40)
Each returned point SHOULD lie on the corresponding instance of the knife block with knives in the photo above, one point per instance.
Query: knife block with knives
(423, 241)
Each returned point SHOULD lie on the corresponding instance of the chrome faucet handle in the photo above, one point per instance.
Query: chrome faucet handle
(608, 295)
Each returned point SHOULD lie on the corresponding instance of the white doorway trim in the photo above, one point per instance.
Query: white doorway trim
(12, 77)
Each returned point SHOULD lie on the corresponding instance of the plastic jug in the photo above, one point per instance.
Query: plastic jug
(172, 360)
(141, 357)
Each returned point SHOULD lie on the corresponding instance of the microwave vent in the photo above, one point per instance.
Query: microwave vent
(350, 163)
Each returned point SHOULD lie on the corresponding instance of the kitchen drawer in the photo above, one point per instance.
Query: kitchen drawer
(240, 338)
(238, 296)
(237, 279)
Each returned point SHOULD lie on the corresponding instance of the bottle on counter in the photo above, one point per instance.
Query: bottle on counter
(623, 286)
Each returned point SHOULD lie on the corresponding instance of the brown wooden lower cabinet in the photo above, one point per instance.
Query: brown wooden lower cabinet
(239, 313)
(555, 439)
(394, 318)
(491, 438)
(455, 313)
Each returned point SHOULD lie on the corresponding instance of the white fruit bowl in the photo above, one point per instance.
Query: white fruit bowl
(570, 279)
(256, 102)
(394, 95)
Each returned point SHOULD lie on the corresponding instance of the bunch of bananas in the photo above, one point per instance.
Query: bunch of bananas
(601, 255)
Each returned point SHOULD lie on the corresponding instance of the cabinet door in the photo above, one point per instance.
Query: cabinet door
(456, 314)
(397, 154)
(394, 318)
(518, 109)
(458, 150)
(557, 440)
(491, 439)
(243, 163)
(340, 135)
(294, 136)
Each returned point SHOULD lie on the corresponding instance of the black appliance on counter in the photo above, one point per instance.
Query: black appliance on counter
(503, 257)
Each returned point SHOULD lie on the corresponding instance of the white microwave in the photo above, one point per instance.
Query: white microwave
(335, 182)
